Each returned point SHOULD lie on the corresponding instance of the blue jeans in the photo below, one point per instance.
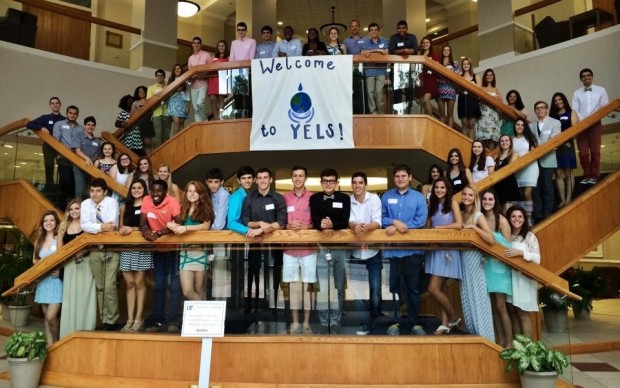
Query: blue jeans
(374, 265)
(80, 178)
(166, 269)
(409, 267)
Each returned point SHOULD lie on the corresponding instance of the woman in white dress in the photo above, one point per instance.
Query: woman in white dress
(523, 142)
(480, 164)
(524, 245)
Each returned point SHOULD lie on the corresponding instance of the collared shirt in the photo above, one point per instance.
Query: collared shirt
(219, 200)
(90, 146)
(265, 49)
(338, 210)
(45, 121)
(202, 58)
(268, 208)
(298, 209)
(291, 49)
(235, 208)
(375, 69)
(409, 208)
(88, 214)
(368, 211)
(64, 132)
(162, 108)
(587, 102)
(158, 216)
(398, 42)
(242, 49)
(354, 45)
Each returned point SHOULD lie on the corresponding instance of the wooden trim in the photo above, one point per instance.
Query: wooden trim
(588, 347)
(455, 35)
(77, 161)
(78, 14)
(14, 126)
(97, 359)
(338, 239)
(582, 225)
(23, 205)
(534, 7)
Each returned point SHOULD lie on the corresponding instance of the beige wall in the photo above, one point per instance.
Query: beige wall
(38, 75)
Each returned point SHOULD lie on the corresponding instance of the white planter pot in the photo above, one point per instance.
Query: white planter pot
(531, 379)
(5, 312)
(24, 373)
(20, 315)
(556, 321)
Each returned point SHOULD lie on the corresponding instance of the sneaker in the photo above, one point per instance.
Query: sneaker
(307, 330)
(584, 181)
(394, 329)
(295, 328)
(364, 329)
(417, 330)
(592, 181)
(173, 328)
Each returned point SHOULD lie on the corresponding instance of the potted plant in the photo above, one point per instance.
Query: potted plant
(555, 310)
(588, 285)
(15, 259)
(26, 353)
(538, 366)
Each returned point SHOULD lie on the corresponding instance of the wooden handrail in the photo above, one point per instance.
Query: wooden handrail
(455, 35)
(14, 126)
(534, 7)
(77, 161)
(79, 14)
(424, 236)
(544, 149)
(203, 70)
(120, 146)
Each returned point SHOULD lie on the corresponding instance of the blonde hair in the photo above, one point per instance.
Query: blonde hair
(468, 216)
(169, 180)
(66, 220)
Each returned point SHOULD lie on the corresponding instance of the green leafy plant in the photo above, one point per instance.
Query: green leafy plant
(527, 354)
(551, 300)
(27, 345)
(15, 259)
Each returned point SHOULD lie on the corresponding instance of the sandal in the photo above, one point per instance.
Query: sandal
(127, 326)
(138, 326)
(454, 323)
(442, 330)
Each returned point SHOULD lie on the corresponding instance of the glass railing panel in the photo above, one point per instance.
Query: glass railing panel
(22, 158)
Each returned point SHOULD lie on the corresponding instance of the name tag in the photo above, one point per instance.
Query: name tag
(337, 205)
(361, 41)
(94, 143)
(137, 211)
(400, 44)
(66, 126)
(51, 122)
(261, 52)
(270, 206)
(151, 215)
(290, 209)
(564, 118)
(457, 182)
(293, 47)
(392, 201)
(381, 45)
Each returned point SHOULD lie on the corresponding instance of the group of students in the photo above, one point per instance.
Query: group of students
(154, 209)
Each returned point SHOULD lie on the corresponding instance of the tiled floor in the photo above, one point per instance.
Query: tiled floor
(587, 371)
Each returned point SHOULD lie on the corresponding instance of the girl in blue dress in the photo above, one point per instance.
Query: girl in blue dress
(443, 213)
(49, 290)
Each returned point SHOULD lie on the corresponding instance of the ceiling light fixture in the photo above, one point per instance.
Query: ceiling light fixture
(328, 26)
(186, 8)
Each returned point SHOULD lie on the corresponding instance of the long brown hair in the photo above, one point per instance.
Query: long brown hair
(204, 210)
(42, 233)
(433, 202)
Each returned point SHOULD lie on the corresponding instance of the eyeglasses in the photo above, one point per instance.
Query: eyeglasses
(540, 107)
(329, 181)
(241, 29)
(124, 159)
(266, 32)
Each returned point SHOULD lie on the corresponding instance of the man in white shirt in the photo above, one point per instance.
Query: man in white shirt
(586, 101)
(289, 46)
(244, 47)
(366, 216)
(99, 213)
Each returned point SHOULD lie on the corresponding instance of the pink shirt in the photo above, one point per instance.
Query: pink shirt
(298, 209)
(242, 49)
(202, 58)
(159, 216)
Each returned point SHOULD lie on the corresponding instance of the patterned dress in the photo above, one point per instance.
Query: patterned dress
(444, 263)
(134, 260)
(489, 123)
(49, 290)
(177, 104)
(447, 90)
(474, 296)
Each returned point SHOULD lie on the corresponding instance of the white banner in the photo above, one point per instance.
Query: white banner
(302, 103)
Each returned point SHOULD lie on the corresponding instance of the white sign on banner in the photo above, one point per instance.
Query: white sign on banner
(302, 103)
(203, 318)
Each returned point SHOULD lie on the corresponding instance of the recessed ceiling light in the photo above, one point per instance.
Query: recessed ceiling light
(280, 23)
(427, 20)
(365, 28)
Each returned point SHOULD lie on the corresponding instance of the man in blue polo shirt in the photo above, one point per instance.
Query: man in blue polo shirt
(402, 209)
